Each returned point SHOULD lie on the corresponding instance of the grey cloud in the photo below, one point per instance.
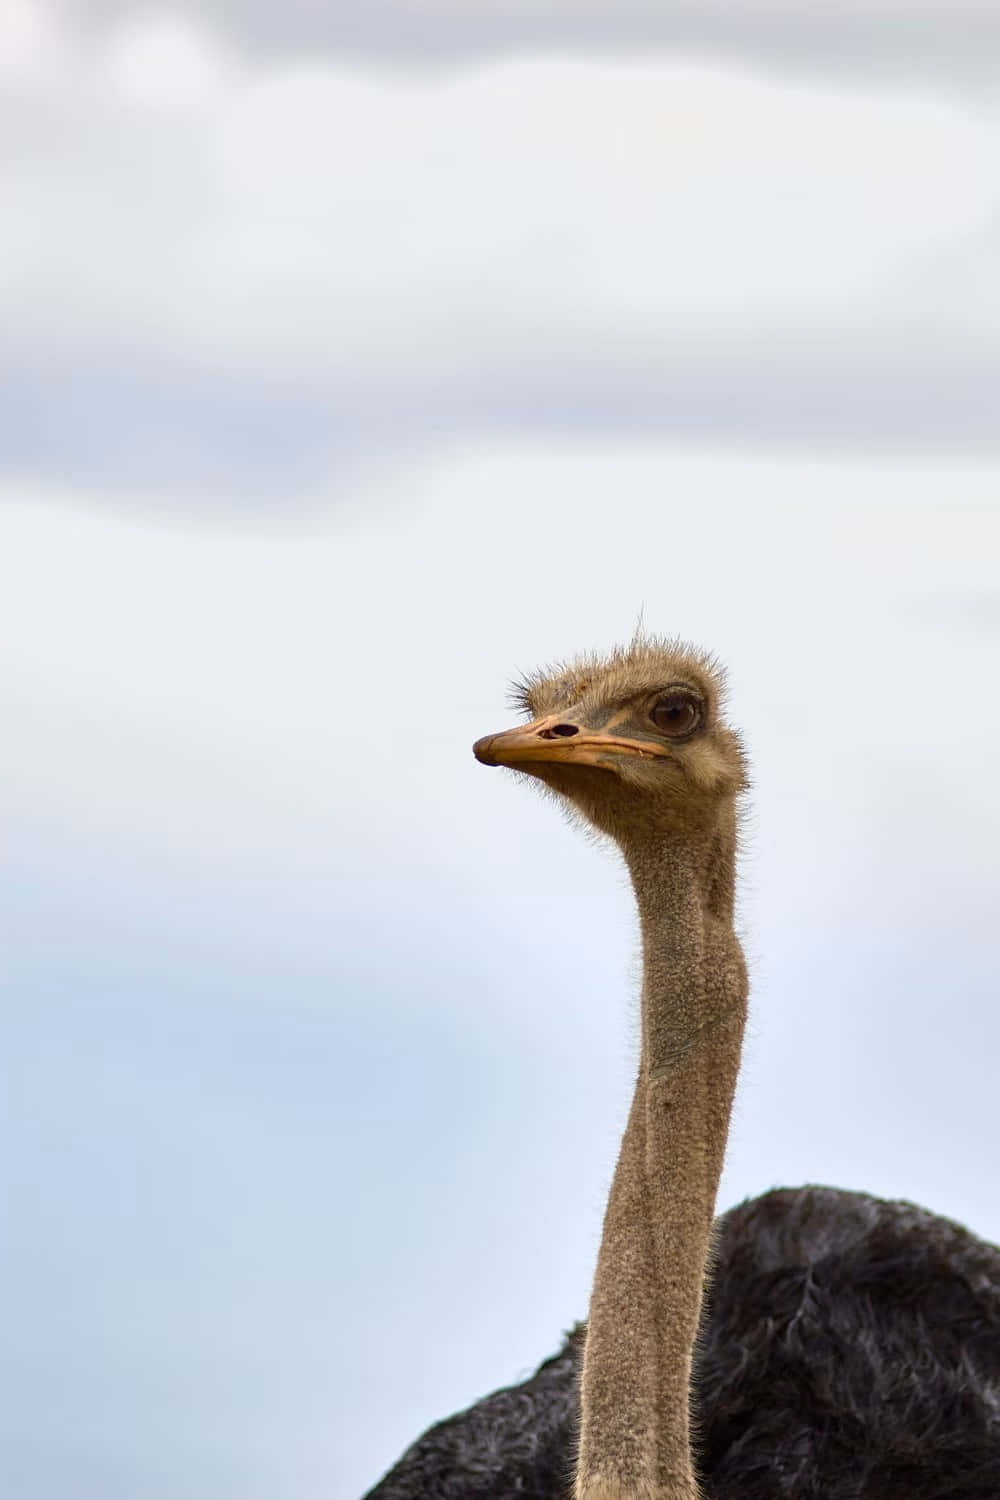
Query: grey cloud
(141, 430)
(958, 43)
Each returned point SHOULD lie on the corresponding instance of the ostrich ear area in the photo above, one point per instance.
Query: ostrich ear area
(540, 743)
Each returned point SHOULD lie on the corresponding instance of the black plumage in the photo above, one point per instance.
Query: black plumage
(850, 1350)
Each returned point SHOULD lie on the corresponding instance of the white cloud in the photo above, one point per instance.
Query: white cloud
(325, 215)
(164, 59)
(30, 41)
(664, 243)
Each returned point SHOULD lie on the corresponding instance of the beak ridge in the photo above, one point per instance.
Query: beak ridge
(557, 738)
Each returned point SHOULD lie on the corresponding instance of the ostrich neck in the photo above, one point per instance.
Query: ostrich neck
(646, 1300)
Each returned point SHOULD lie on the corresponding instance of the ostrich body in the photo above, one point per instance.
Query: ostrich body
(848, 1348)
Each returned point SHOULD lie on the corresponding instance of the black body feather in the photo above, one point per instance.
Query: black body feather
(850, 1350)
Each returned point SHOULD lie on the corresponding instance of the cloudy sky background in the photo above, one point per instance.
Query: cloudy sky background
(351, 360)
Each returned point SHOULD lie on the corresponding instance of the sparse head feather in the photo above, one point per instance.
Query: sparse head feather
(645, 665)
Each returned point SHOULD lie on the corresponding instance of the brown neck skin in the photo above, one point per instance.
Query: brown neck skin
(651, 1271)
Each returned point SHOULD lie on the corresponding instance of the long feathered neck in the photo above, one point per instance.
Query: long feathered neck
(635, 1426)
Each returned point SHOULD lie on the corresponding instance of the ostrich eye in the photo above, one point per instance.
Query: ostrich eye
(677, 715)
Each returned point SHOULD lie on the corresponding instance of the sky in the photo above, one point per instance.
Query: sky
(353, 361)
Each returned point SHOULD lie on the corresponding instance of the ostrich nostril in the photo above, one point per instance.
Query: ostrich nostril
(559, 731)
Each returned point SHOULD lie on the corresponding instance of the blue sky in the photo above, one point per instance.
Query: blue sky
(342, 387)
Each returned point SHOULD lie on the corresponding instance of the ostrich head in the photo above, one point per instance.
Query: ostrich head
(633, 741)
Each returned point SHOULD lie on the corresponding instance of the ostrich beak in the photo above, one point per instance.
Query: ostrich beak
(557, 738)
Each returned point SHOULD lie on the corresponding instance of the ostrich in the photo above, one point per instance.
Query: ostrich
(843, 1347)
